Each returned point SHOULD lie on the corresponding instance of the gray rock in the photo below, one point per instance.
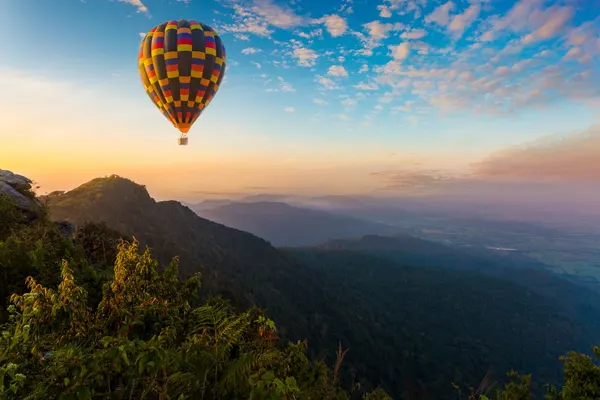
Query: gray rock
(13, 186)
(17, 181)
(21, 200)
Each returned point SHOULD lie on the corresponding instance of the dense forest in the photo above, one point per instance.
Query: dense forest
(100, 318)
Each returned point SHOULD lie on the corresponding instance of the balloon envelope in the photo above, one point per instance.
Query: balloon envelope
(182, 64)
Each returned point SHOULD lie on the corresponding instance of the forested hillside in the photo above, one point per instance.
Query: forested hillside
(580, 303)
(405, 325)
(98, 320)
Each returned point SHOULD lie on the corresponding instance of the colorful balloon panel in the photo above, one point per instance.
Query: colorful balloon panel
(182, 64)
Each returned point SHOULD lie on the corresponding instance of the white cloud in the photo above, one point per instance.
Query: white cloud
(289, 109)
(141, 8)
(367, 86)
(375, 33)
(378, 31)
(573, 53)
(462, 21)
(276, 15)
(420, 47)
(305, 57)
(335, 24)
(259, 16)
(502, 71)
(142, 34)
(586, 33)
(364, 68)
(327, 82)
(347, 7)
(311, 34)
(320, 101)
(401, 51)
(488, 79)
(258, 65)
(530, 17)
(414, 34)
(404, 7)
(384, 11)
(344, 117)
(241, 36)
(555, 20)
(245, 22)
(441, 15)
(587, 38)
(458, 23)
(251, 50)
(337, 70)
(284, 86)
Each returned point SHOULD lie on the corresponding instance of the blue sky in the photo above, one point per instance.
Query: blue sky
(357, 86)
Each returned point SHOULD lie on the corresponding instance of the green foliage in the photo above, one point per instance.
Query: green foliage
(144, 339)
(99, 242)
(581, 382)
(33, 248)
(519, 388)
(9, 215)
(582, 377)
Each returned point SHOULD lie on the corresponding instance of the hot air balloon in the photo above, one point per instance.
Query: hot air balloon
(182, 65)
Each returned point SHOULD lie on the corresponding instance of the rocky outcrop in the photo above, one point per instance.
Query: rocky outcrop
(18, 188)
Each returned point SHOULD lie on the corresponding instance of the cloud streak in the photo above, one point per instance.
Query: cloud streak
(570, 158)
(554, 161)
(141, 7)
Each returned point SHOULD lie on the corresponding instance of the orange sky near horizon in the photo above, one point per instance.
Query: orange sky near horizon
(64, 145)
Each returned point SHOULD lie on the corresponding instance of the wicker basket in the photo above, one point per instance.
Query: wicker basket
(183, 141)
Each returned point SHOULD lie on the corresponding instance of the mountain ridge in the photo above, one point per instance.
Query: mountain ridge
(284, 224)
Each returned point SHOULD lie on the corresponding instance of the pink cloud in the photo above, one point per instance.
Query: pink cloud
(572, 158)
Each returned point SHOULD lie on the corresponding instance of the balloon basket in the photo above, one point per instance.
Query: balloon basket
(183, 141)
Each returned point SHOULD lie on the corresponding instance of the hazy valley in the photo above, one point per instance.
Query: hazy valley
(572, 249)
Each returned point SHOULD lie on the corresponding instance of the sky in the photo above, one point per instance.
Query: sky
(379, 97)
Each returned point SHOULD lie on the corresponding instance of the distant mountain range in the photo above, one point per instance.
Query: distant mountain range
(567, 217)
(409, 310)
(285, 225)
